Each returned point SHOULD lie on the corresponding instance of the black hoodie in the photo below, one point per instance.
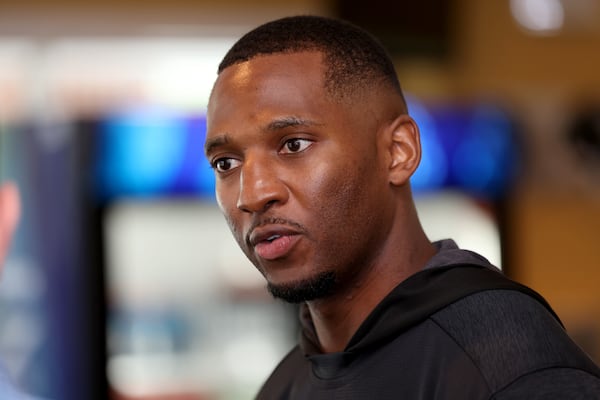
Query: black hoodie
(458, 329)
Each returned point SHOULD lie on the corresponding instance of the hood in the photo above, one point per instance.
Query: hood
(450, 275)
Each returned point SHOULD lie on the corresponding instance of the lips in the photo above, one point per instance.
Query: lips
(271, 243)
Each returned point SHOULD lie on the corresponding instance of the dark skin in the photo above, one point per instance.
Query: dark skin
(310, 184)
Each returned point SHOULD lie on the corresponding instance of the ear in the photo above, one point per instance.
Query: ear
(404, 149)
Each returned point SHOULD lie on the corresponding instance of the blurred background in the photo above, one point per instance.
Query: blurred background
(123, 281)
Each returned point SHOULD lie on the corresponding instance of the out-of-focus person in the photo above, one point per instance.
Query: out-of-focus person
(10, 211)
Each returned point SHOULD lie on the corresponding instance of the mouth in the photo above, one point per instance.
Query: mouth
(272, 238)
(273, 243)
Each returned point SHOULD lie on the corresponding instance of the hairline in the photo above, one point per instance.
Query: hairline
(347, 92)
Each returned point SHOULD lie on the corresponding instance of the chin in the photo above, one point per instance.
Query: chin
(317, 287)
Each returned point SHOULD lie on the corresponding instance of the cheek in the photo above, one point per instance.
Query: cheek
(338, 192)
(223, 200)
(226, 200)
(348, 206)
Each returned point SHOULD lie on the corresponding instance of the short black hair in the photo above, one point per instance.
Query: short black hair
(353, 58)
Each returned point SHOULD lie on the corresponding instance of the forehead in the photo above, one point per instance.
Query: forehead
(291, 83)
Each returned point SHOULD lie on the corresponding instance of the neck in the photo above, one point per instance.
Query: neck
(338, 317)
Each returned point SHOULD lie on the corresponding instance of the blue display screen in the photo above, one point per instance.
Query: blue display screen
(470, 148)
(154, 153)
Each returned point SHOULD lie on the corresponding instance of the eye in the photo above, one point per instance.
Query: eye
(225, 164)
(295, 145)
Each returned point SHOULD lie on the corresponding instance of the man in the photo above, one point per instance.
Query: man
(313, 148)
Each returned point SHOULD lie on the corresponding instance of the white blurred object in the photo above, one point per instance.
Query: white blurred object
(539, 16)
(454, 215)
(188, 310)
(575, 18)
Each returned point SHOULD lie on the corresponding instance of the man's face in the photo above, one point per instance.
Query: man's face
(299, 177)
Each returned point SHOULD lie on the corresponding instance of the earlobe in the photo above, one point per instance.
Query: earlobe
(404, 149)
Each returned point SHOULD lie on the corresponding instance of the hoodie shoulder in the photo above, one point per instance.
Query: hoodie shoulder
(279, 384)
(510, 335)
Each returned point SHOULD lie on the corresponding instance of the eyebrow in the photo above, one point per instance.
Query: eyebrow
(286, 122)
(213, 143)
(275, 125)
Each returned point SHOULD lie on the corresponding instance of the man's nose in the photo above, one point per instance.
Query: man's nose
(260, 185)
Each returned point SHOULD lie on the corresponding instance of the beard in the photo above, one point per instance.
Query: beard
(317, 287)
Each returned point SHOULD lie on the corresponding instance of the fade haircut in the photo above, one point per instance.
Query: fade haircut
(353, 59)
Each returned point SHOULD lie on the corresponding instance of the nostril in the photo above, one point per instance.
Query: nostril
(269, 204)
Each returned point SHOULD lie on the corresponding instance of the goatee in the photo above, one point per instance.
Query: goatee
(317, 287)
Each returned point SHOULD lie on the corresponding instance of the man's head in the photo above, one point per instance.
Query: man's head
(312, 149)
